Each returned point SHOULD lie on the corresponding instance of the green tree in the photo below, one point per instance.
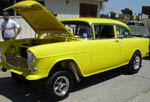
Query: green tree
(121, 16)
(112, 15)
(104, 16)
(127, 11)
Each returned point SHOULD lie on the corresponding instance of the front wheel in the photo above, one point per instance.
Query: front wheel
(58, 85)
(135, 63)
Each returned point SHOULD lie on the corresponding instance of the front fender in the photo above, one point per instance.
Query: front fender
(45, 65)
(79, 67)
(50, 54)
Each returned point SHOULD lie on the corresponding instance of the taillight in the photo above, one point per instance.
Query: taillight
(149, 44)
(149, 47)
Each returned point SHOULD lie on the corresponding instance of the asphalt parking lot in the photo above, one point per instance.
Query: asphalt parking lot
(111, 86)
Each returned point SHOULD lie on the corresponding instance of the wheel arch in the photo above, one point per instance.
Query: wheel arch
(136, 50)
(67, 64)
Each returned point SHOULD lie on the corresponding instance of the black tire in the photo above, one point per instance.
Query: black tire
(135, 63)
(18, 78)
(148, 57)
(59, 84)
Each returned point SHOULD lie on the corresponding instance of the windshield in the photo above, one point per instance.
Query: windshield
(79, 29)
(140, 31)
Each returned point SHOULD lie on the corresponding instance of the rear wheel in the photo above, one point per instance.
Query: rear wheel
(135, 63)
(58, 85)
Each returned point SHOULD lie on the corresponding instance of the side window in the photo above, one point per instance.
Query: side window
(104, 31)
(122, 32)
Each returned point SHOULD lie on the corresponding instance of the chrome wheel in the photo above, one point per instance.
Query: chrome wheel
(61, 86)
(137, 62)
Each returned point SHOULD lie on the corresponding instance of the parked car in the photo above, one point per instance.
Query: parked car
(75, 48)
(138, 29)
(135, 23)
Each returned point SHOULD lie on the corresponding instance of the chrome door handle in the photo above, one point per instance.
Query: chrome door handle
(116, 40)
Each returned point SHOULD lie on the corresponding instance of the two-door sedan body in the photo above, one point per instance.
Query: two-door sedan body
(72, 48)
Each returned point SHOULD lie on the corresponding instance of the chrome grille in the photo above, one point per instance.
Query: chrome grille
(16, 61)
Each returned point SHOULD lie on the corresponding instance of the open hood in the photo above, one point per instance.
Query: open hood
(39, 18)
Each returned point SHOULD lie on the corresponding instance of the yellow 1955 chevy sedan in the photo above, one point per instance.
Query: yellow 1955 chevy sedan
(73, 48)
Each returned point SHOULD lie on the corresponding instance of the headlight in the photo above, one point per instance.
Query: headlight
(31, 57)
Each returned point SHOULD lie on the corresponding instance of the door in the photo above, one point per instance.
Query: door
(88, 10)
(127, 43)
(105, 48)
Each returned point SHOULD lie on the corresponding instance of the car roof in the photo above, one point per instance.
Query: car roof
(97, 20)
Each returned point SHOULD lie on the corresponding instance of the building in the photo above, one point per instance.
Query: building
(61, 8)
(145, 12)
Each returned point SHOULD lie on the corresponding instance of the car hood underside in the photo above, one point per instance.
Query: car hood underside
(39, 18)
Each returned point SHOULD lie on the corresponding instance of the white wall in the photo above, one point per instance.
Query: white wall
(63, 10)
(0, 28)
(72, 10)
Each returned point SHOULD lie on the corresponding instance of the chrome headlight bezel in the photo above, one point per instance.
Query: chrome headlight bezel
(31, 57)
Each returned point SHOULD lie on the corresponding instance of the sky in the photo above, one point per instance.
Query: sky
(118, 5)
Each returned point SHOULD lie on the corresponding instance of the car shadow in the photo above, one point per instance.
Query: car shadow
(27, 92)
(98, 78)
(32, 92)
(146, 58)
